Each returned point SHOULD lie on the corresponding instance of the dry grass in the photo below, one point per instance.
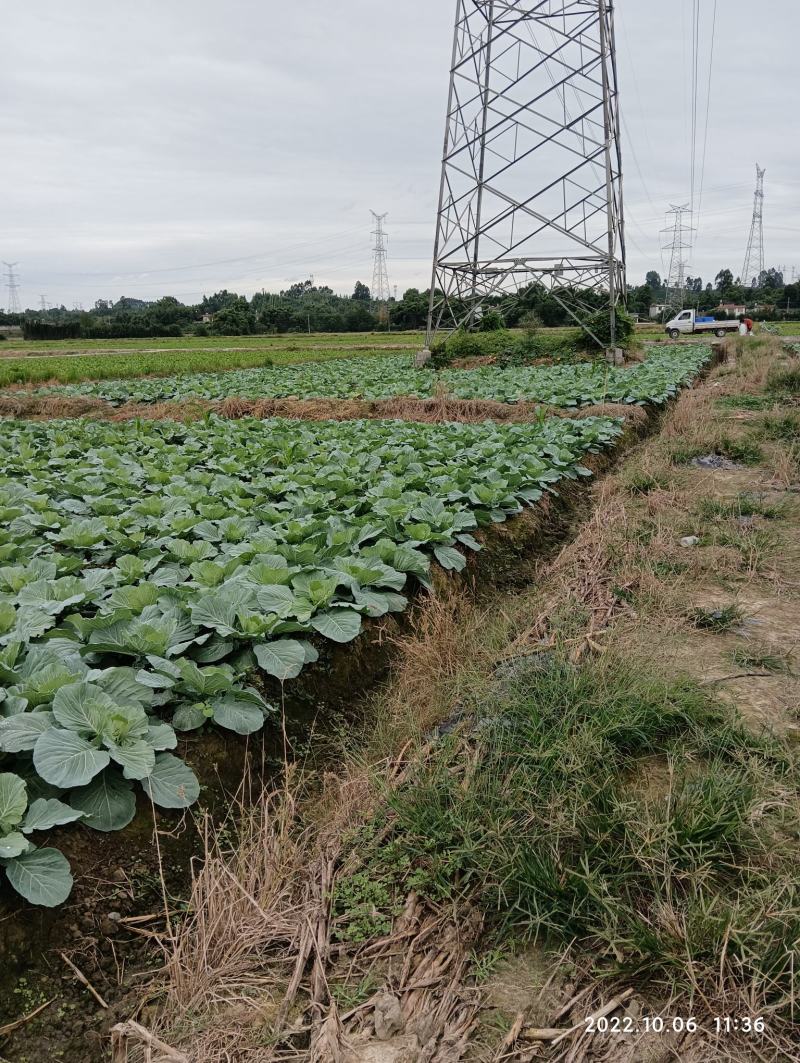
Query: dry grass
(249, 908)
(581, 593)
(31, 406)
(248, 973)
(439, 657)
(256, 937)
(437, 410)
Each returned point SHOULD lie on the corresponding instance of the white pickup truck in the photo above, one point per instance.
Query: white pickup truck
(687, 322)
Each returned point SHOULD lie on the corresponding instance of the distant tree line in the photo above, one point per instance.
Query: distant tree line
(303, 307)
(36, 329)
(768, 297)
(306, 307)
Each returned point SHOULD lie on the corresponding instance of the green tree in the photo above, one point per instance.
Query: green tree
(236, 319)
(491, 321)
(724, 281)
(653, 280)
(411, 311)
(641, 299)
(359, 319)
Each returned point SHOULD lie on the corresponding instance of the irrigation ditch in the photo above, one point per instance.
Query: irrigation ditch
(124, 879)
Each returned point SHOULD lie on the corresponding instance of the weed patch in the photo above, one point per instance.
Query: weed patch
(746, 504)
(530, 819)
(741, 450)
(781, 380)
(761, 658)
(779, 428)
(745, 402)
(642, 482)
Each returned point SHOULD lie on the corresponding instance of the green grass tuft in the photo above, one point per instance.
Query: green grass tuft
(717, 620)
(746, 504)
(781, 381)
(742, 450)
(761, 659)
(745, 402)
(642, 482)
(779, 428)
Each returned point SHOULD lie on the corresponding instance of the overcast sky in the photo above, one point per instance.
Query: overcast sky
(181, 146)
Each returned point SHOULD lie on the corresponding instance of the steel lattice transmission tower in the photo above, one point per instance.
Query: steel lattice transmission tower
(754, 257)
(678, 245)
(12, 285)
(380, 272)
(531, 186)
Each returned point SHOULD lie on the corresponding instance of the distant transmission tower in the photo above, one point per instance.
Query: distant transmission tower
(380, 272)
(12, 284)
(531, 185)
(43, 303)
(678, 245)
(754, 258)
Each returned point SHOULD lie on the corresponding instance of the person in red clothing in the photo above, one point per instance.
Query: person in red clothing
(749, 322)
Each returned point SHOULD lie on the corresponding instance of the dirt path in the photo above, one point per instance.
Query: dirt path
(691, 563)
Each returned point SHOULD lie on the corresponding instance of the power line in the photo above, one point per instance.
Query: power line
(644, 115)
(259, 272)
(708, 111)
(695, 43)
(217, 262)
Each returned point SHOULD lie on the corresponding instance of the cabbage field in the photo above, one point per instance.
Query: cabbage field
(150, 572)
(652, 381)
(147, 569)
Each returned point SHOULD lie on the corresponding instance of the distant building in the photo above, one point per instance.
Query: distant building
(207, 318)
(657, 309)
(731, 308)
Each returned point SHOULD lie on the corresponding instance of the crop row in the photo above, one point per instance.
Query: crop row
(655, 380)
(70, 369)
(146, 569)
